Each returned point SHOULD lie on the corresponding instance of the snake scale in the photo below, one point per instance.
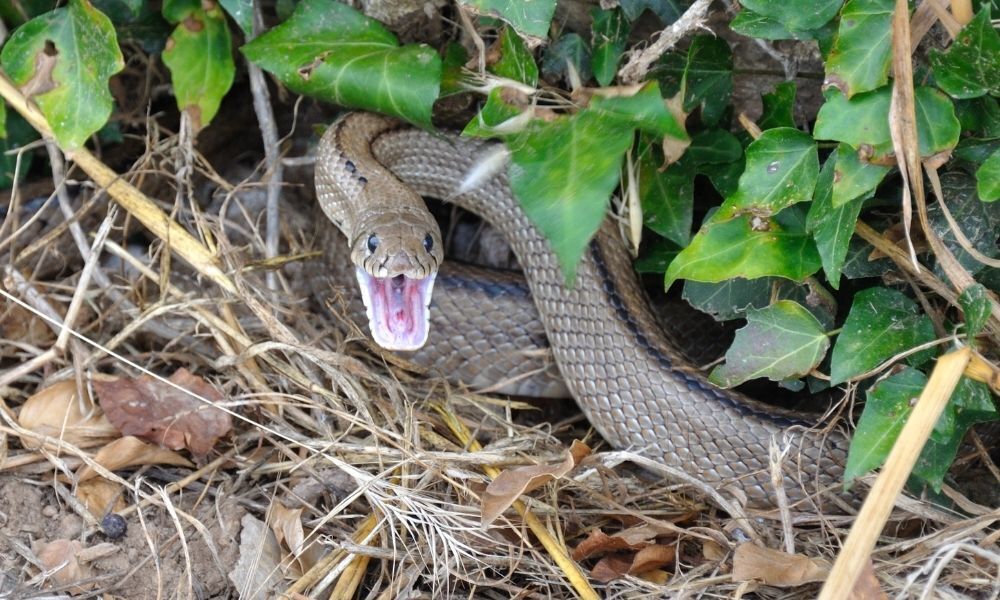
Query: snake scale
(628, 379)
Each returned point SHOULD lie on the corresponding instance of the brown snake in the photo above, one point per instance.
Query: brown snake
(628, 379)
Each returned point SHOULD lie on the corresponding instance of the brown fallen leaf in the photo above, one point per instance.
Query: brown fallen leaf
(774, 567)
(100, 496)
(867, 586)
(599, 542)
(18, 323)
(286, 524)
(58, 412)
(508, 486)
(131, 452)
(61, 559)
(653, 558)
(611, 567)
(152, 410)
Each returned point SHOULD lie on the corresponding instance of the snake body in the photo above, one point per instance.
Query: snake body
(630, 382)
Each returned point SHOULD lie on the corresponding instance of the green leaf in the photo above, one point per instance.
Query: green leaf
(63, 60)
(832, 226)
(656, 256)
(887, 407)
(489, 120)
(609, 34)
(971, 66)
(729, 299)
(705, 74)
(332, 52)
(796, 16)
(569, 49)
(725, 177)
(979, 116)
(19, 135)
(859, 60)
(563, 172)
(667, 197)
(854, 178)
(971, 403)
(863, 120)
(779, 107)
(976, 150)
(528, 18)
(643, 110)
(667, 10)
(979, 221)
(988, 178)
(779, 342)
(859, 264)
(3, 119)
(781, 170)
(241, 11)
(452, 66)
(200, 58)
(881, 324)
(516, 61)
(735, 244)
(975, 303)
(714, 146)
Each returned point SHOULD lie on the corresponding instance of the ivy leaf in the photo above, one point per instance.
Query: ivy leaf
(852, 177)
(735, 244)
(609, 34)
(516, 61)
(979, 221)
(705, 74)
(63, 60)
(3, 120)
(528, 18)
(988, 178)
(832, 226)
(714, 146)
(779, 106)
(882, 323)
(656, 256)
(888, 405)
(667, 10)
(725, 177)
(971, 66)
(569, 49)
(729, 299)
(643, 109)
(491, 116)
(781, 170)
(752, 24)
(332, 52)
(563, 172)
(859, 60)
(863, 120)
(797, 16)
(980, 116)
(779, 342)
(975, 303)
(199, 57)
(667, 197)
(241, 11)
(18, 135)
(971, 403)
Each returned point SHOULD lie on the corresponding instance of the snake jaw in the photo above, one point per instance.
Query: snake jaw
(398, 309)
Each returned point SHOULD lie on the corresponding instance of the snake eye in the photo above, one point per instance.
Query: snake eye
(428, 242)
(372, 242)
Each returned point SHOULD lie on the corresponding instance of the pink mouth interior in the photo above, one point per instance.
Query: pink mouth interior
(397, 309)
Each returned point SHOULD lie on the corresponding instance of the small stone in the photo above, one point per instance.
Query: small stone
(49, 511)
(114, 526)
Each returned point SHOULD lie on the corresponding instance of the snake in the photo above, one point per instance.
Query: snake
(630, 380)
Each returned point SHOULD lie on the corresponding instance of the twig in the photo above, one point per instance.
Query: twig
(638, 64)
(274, 173)
(903, 456)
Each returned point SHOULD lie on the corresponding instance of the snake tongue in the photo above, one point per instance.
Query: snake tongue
(398, 309)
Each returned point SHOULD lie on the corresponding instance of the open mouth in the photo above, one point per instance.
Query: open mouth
(398, 309)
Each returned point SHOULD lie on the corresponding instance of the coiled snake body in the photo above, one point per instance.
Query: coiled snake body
(630, 382)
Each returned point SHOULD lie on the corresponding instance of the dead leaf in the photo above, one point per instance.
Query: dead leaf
(611, 567)
(633, 538)
(58, 412)
(100, 496)
(508, 486)
(257, 573)
(152, 410)
(674, 148)
(867, 586)
(774, 567)
(286, 524)
(61, 559)
(131, 452)
(18, 323)
(652, 558)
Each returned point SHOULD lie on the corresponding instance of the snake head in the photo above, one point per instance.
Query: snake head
(396, 261)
